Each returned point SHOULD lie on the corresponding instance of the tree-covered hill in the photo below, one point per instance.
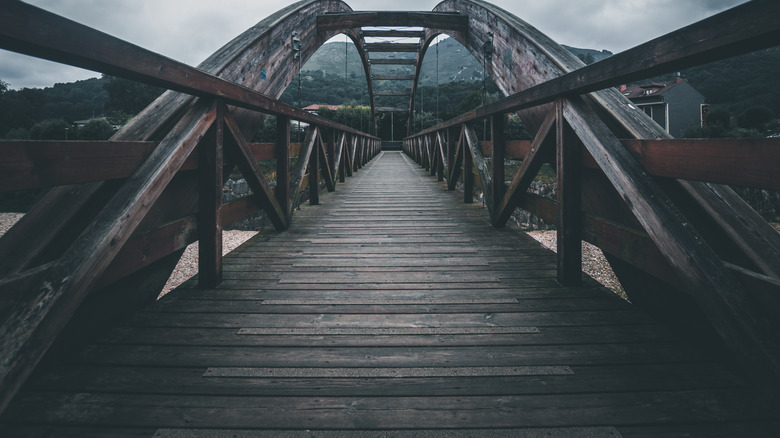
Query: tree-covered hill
(734, 86)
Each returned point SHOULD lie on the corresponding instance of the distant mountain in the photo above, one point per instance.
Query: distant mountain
(455, 63)
(583, 53)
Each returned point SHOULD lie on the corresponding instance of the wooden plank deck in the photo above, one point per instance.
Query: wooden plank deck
(392, 308)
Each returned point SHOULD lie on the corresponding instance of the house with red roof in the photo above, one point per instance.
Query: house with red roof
(674, 105)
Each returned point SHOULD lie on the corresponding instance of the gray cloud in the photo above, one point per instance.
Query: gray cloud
(190, 31)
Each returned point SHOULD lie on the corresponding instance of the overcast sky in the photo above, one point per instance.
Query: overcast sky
(190, 30)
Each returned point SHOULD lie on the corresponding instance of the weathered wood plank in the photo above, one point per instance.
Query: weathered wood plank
(34, 322)
(393, 33)
(569, 199)
(532, 162)
(392, 47)
(393, 61)
(301, 166)
(283, 182)
(359, 413)
(472, 148)
(243, 158)
(498, 156)
(210, 152)
(736, 318)
(348, 20)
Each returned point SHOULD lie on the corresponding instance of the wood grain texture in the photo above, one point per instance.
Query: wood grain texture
(487, 335)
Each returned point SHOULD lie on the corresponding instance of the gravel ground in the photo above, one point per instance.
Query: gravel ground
(593, 261)
(188, 264)
(7, 220)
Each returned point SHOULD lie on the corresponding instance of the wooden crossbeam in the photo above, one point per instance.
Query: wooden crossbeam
(341, 156)
(433, 20)
(393, 78)
(393, 33)
(35, 231)
(314, 170)
(454, 170)
(391, 93)
(482, 167)
(749, 231)
(246, 162)
(392, 47)
(741, 325)
(532, 163)
(441, 144)
(388, 109)
(301, 165)
(326, 161)
(34, 322)
(393, 61)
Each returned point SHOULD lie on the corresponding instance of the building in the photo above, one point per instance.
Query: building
(674, 105)
(314, 108)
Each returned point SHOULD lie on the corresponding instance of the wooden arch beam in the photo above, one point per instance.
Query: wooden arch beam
(351, 20)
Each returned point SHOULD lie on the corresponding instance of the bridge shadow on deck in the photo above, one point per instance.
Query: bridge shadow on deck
(391, 306)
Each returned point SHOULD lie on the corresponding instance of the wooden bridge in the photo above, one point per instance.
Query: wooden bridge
(394, 304)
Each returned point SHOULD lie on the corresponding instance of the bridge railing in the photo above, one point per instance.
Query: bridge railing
(120, 212)
(655, 205)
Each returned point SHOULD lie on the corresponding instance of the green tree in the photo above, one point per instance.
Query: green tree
(96, 129)
(128, 96)
(51, 129)
(471, 101)
(756, 117)
(515, 129)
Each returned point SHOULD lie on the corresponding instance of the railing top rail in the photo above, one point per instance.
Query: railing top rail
(743, 29)
(33, 31)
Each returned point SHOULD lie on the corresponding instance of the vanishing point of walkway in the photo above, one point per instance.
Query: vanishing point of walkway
(391, 307)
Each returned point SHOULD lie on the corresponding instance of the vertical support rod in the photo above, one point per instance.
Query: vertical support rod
(283, 164)
(468, 173)
(314, 173)
(569, 165)
(210, 156)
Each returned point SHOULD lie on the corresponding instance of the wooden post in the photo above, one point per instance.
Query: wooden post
(283, 164)
(569, 165)
(331, 136)
(210, 156)
(314, 173)
(468, 171)
(342, 158)
(452, 138)
(440, 153)
(497, 123)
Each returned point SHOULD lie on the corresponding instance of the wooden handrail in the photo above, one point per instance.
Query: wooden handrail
(743, 29)
(33, 31)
